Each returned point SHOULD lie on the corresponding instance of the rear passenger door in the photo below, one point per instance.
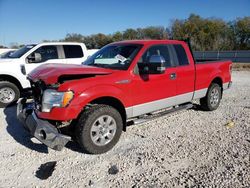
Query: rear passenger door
(73, 54)
(185, 74)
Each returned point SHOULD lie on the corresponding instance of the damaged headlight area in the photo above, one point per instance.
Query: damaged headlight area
(52, 98)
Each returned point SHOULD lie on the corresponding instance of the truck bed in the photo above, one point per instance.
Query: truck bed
(208, 69)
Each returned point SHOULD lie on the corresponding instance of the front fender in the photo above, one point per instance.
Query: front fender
(81, 100)
(100, 91)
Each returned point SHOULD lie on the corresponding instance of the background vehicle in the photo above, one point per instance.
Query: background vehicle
(4, 50)
(15, 68)
(6, 54)
(124, 82)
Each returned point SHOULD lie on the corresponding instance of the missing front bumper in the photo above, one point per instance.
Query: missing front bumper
(40, 129)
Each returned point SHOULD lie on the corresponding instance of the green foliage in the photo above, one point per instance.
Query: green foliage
(213, 34)
(130, 34)
(241, 33)
(99, 40)
(118, 36)
(205, 34)
(74, 37)
(152, 33)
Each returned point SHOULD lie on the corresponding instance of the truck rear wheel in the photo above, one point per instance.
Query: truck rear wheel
(212, 100)
(98, 129)
(9, 93)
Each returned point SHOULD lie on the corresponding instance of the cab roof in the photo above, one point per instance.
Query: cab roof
(144, 42)
(57, 43)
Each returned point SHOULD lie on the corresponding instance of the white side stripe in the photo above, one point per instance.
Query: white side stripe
(144, 108)
(200, 93)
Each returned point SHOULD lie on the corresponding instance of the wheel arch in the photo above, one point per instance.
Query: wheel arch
(218, 80)
(115, 103)
(12, 79)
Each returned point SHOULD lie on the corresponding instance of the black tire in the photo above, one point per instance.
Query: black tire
(206, 102)
(13, 89)
(84, 132)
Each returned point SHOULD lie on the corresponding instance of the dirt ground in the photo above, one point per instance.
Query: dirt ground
(191, 148)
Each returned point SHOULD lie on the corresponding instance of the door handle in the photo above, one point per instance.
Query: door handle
(172, 76)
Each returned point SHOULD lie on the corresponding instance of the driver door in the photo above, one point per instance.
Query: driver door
(43, 55)
(152, 92)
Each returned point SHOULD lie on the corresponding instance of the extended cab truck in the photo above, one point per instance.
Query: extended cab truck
(14, 69)
(124, 82)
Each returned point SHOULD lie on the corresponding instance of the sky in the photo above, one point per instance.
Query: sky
(31, 21)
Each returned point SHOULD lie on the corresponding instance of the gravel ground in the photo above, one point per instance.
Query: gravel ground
(190, 148)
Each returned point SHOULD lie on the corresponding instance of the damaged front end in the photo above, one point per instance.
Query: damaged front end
(43, 130)
(48, 109)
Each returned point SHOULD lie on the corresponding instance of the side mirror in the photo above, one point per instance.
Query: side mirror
(35, 57)
(156, 65)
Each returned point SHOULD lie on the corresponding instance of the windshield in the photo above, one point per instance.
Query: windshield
(19, 53)
(117, 56)
(6, 54)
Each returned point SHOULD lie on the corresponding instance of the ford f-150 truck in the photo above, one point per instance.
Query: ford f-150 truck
(125, 82)
(14, 68)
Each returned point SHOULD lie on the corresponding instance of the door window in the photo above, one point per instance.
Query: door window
(73, 51)
(161, 50)
(43, 54)
(181, 55)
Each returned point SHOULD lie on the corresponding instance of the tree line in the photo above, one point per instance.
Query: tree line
(205, 34)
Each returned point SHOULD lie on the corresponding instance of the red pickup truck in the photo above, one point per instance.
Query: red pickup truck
(124, 82)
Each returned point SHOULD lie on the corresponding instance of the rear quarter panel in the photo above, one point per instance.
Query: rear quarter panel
(206, 72)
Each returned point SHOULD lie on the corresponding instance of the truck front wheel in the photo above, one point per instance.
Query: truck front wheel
(9, 93)
(98, 129)
(212, 100)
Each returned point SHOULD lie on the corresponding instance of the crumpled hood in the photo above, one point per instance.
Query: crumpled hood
(50, 73)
